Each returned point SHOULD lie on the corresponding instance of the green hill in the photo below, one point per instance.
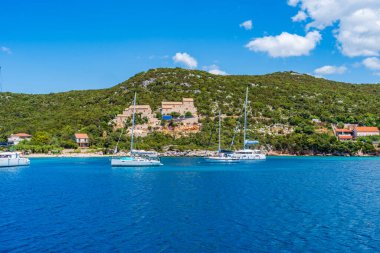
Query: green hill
(286, 98)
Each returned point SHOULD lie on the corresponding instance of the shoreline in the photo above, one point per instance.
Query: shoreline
(178, 154)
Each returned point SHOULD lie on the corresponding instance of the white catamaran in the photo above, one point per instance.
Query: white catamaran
(12, 159)
(136, 157)
(221, 157)
(247, 154)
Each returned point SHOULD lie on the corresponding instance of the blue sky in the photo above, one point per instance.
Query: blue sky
(50, 46)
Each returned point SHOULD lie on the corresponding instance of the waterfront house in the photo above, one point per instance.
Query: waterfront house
(353, 131)
(345, 137)
(15, 139)
(82, 140)
(365, 131)
(344, 134)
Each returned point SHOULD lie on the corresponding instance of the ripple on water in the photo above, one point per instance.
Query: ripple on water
(280, 205)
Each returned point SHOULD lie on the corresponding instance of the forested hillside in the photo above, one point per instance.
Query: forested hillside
(287, 98)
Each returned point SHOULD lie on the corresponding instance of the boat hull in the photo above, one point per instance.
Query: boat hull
(220, 160)
(134, 163)
(14, 162)
(247, 155)
(252, 158)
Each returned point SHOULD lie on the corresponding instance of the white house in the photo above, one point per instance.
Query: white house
(15, 139)
(366, 131)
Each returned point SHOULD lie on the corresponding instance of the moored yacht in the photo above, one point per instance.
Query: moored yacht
(222, 155)
(145, 153)
(247, 154)
(12, 159)
(137, 158)
(135, 161)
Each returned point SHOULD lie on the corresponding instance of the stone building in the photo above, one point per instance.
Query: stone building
(144, 110)
(140, 129)
(187, 105)
(154, 124)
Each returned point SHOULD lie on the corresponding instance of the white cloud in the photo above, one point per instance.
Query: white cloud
(6, 50)
(357, 23)
(247, 25)
(293, 2)
(214, 69)
(372, 63)
(330, 70)
(186, 59)
(286, 44)
(301, 16)
(359, 33)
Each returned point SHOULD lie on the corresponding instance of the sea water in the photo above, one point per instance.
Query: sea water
(283, 204)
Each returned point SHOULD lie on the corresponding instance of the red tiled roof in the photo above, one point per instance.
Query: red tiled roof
(345, 137)
(81, 136)
(367, 129)
(343, 130)
(23, 135)
(140, 107)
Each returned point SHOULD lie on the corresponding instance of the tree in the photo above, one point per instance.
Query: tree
(41, 138)
(175, 114)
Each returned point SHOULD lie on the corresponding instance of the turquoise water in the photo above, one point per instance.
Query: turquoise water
(284, 204)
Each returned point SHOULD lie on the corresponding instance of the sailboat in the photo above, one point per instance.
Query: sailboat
(247, 154)
(135, 159)
(222, 156)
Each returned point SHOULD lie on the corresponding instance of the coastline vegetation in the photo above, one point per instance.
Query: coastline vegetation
(287, 99)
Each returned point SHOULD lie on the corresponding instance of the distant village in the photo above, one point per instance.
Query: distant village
(181, 118)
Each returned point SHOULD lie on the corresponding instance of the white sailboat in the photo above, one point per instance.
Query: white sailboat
(135, 159)
(13, 159)
(221, 157)
(247, 154)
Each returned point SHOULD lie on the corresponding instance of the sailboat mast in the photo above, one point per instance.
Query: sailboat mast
(133, 122)
(1, 83)
(245, 117)
(219, 148)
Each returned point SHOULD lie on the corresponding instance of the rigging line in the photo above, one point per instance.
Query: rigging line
(212, 132)
(233, 137)
(117, 144)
